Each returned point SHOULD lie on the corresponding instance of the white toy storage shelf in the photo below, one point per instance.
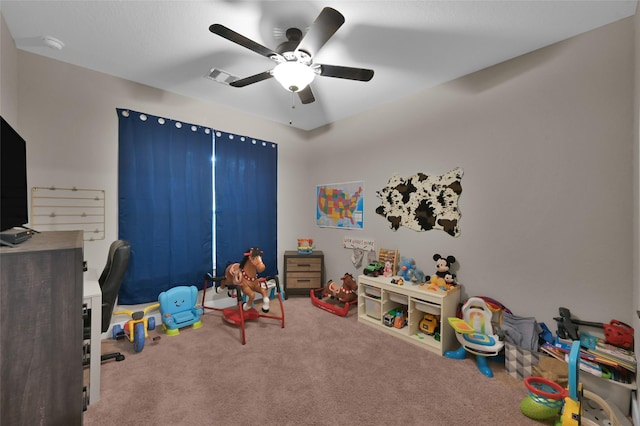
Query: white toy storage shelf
(377, 296)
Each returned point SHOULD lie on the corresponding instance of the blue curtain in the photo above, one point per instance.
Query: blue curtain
(165, 204)
(245, 199)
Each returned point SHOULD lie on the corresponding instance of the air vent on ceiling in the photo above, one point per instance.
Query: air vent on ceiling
(221, 76)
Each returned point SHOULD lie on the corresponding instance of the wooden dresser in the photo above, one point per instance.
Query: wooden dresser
(41, 361)
(302, 272)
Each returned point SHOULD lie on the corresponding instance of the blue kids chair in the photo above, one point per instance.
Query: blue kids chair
(178, 309)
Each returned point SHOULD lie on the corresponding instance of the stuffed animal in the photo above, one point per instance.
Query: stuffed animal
(347, 291)
(388, 269)
(417, 276)
(405, 267)
(409, 272)
(439, 281)
(450, 279)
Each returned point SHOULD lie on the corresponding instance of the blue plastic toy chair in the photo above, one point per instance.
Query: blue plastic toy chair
(178, 309)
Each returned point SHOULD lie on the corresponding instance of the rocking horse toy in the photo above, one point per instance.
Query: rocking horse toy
(245, 274)
(335, 298)
(242, 281)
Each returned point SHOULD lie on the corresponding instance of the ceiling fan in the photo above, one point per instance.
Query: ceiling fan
(295, 68)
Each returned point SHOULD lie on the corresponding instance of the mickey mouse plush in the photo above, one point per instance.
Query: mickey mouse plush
(439, 281)
(450, 279)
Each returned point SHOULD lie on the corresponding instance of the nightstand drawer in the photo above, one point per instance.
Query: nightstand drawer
(302, 272)
(304, 265)
(304, 280)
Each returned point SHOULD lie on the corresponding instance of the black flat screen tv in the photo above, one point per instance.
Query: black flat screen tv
(14, 211)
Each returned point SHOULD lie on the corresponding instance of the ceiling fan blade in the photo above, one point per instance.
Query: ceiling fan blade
(325, 25)
(306, 95)
(252, 79)
(243, 41)
(360, 74)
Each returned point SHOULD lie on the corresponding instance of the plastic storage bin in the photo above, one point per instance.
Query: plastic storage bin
(372, 291)
(399, 298)
(373, 308)
(430, 308)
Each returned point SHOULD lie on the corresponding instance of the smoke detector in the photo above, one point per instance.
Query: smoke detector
(52, 42)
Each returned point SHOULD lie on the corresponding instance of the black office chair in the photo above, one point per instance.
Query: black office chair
(110, 281)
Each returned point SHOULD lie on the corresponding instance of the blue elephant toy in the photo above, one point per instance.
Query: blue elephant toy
(409, 272)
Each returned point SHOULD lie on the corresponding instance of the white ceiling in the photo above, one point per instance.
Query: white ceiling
(411, 45)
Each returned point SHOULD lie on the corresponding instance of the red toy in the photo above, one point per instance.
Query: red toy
(238, 315)
(618, 334)
(336, 299)
(241, 279)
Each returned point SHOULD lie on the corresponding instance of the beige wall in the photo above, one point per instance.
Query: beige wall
(68, 118)
(8, 76)
(545, 141)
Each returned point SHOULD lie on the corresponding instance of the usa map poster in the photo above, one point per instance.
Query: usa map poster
(340, 205)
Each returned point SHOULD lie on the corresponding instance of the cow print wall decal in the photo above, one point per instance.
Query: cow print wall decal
(422, 202)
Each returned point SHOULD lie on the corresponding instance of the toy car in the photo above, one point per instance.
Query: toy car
(388, 319)
(429, 324)
(374, 269)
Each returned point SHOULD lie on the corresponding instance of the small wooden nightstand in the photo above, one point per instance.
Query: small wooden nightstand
(302, 272)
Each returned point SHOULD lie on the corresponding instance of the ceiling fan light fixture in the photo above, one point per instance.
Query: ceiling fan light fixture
(293, 76)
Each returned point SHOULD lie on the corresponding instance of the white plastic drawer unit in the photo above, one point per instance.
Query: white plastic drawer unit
(399, 298)
(373, 308)
(372, 291)
(427, 307)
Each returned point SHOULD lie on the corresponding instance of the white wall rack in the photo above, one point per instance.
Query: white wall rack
(67, 209)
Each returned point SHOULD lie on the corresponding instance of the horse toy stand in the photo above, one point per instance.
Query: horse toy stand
(238, 315)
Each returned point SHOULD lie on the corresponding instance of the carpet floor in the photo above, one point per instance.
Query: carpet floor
(320, 369)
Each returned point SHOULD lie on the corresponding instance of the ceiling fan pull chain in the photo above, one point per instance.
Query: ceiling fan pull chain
(293, 106)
